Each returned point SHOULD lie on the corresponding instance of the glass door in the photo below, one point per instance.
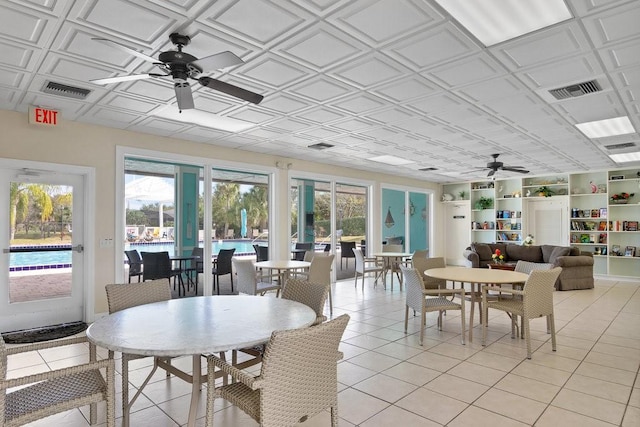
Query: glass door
(42, 241)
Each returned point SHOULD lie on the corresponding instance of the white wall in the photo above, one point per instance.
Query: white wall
(95, 146)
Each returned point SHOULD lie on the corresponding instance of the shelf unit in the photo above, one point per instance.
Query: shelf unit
(596, 224)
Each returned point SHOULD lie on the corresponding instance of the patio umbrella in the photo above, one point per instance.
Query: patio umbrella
(243, 223)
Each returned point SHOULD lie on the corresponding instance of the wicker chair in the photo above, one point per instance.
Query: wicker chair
(120, 297)
(312, 294)
(320, 272)
(424, 300)
(249, 281)
(48, 393)
(366, 265)
(422, 263)
(298, 377)
(536, 301)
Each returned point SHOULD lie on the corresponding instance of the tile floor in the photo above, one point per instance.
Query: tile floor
(387, 379)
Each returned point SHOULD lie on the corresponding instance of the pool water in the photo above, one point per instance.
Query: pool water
(63, 258)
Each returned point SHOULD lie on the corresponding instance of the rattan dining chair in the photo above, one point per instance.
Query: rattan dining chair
(251, 282)
(47, 393)
(312, 294)
(536, 301)
(298, 377)
(123, 296)
(425, 300)
(366, 265)
(320, 272)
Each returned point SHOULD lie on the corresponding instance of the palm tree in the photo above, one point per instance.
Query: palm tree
(255, 202)
(18, 205)
(226, 204)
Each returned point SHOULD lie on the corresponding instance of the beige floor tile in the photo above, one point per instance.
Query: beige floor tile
(432, 405)
(399, 351)
(511, 405)
(72, 418)
(367, 341)
(350, 350)
(412, 373)
(355, 406)
(554, 360)
(478, 417)
(563, 350)
(599, 388)
(349, 373)
(385, 387)
(394, 416)
(494, 361)
(542, 373)
(456, 349)
(595, 407)
(374, 361)
(387, 334)
(619, 362)
(477, 373)
(457, 388)
(434, 361)
(605, 373)
(634, 400)
(631, 417)
(527, 387)
(554, 417)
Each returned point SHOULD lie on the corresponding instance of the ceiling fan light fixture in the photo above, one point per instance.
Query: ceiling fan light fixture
(495, 21)
(608, 127)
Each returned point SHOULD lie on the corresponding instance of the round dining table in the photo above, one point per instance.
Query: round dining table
(388, 258)
(476, 277)
(284, 267)
(196, 326)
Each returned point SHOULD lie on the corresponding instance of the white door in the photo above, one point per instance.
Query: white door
(457, 224)
(41, 266)
(547, 220)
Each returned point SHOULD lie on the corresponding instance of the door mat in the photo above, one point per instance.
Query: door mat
(44, 333)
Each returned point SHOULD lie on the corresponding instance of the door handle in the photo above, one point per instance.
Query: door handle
(78, 248)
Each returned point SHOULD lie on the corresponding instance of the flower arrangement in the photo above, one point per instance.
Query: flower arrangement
(498, 256)
(620, 197)
(545, 191)
(528, 241)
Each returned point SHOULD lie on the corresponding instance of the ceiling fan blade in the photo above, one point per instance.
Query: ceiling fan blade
(491, 172)
(184, 96)
(230, 89)
(218, 61)
(514, 169)
(124, 78)
(126, 49)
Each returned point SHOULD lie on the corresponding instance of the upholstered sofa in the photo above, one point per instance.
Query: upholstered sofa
(577, 268)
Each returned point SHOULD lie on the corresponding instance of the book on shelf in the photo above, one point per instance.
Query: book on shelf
(630, 251)
(632, 226)
(602, 226)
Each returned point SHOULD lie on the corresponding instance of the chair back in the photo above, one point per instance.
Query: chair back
(121, 296)
(199, 263)
(306, 246)
(346, 249)
(309, 293)
(246, 275)
(300, 373)
(327, 247)
(422, 264)
(308, 256)
(320, 269)
(135, 262)
(223, 264)
(360, 264)
(262, 252)
(527, 267)
(414, 286)
(538, 292)
(156, 265)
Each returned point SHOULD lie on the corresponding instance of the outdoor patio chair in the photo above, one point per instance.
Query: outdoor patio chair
(298, 377)
(366, 265)
(230, 234)
(41, 395)
(158, 265)
(536, 301)
(346, 252)
(249, 281)
(425, 300)
(299, 256)
(222, 266)
(312, 294)
(135, 264)
(120, 297)
(197, 266)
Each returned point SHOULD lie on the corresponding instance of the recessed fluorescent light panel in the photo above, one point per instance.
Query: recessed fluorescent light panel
(494, 21)
(609, 127)
(203, 118)
(626, 157)
(391, 160)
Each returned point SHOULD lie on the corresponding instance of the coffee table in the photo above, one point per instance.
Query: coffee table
(505, 266)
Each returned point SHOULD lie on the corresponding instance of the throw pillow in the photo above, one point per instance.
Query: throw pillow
(558, 252)
(546, 252)
(483, 250)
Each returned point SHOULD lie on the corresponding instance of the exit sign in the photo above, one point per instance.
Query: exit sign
(43, 116)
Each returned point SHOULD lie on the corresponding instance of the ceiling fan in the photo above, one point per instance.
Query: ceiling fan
(495, 166)
(182, 66)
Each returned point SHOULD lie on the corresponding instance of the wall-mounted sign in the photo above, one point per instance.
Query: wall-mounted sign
(43, 116)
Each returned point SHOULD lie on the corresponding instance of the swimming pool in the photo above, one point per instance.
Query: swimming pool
(36, 260)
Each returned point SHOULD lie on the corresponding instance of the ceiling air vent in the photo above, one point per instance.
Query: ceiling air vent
(65, 90)
(428, 169)
(620, 146)
(321, 146)
(576, 90)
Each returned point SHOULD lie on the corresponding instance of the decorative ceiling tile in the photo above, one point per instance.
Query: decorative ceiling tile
(11, 78)
(252, 115)
(25, 25)
(284, 103)
(369, 71)
(359, 104)
(614, 25)
(320, 115)
(467, 70)
(564, 72)
(406, 89)
(129, 103)
(71, 68)
(621, 55)
(320, 89)
(275, 72)
(17, 55)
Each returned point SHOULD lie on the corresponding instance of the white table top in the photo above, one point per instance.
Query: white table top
(198, 325)
(283, 264)
(393, 254)
(477, 275)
